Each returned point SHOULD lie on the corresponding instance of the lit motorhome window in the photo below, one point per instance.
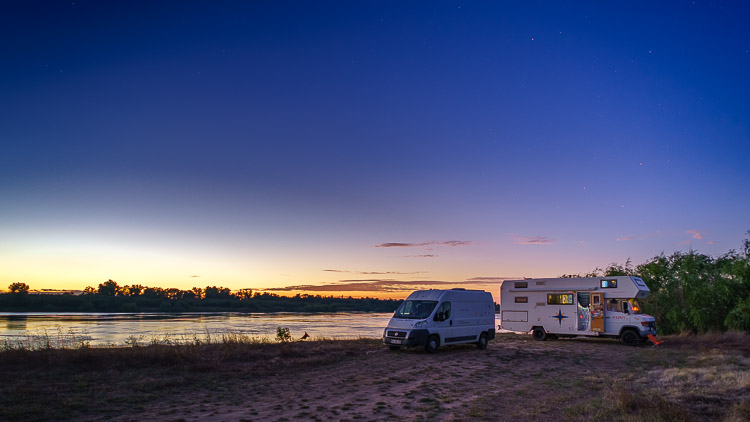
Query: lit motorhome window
(635, 307)
(560, 299)
(415, 309)
(609, 284)
(522, 299)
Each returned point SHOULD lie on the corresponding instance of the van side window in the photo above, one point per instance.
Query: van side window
(443, 312)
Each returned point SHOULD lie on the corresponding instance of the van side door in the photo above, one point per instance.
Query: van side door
(443, 322)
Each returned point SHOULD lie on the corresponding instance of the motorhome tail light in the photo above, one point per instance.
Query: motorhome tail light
(644, 323)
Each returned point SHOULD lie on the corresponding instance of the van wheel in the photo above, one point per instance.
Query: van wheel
(432, 344)
(630, 337)
(482, 343)
(539, 334)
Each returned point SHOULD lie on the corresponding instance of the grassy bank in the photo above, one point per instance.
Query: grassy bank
(241, 378)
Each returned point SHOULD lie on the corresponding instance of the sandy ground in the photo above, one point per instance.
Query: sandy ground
(514, 378)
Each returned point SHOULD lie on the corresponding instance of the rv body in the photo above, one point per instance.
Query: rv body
(591, 306)
(434, 318)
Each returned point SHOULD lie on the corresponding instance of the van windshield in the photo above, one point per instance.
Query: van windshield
(415, 309)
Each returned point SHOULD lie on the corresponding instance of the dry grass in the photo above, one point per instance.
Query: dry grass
(733, 340)
(220, 377)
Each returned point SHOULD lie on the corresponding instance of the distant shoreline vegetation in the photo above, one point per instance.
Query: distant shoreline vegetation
(110, 297)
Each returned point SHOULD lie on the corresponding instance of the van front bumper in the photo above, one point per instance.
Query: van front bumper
(401, 338)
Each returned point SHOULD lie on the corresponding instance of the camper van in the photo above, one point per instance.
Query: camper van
(592, 306)
(434, 318)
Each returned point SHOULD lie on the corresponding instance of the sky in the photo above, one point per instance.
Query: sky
(366, 148)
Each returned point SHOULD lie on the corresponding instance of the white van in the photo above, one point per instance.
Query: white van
(593, 306)
(434, 318)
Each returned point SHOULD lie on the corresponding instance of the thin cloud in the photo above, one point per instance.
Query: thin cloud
(422, 256)
(376, 272)
(711, 242)
(194, 276)
(451, 243)
(533, 240)
(376, 285)
(696, 234)
(491, 279)
(638, 237)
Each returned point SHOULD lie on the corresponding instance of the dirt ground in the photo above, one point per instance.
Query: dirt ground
(515, 378)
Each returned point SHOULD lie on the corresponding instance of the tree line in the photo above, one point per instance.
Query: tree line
(693, 292)
(109, 296)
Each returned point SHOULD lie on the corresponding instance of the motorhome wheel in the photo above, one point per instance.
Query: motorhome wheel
(630, 337)
(539, 334)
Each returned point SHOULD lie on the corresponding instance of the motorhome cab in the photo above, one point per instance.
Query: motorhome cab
(596, 306)
(434, 318)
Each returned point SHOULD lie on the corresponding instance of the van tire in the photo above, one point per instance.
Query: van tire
(630, 337)
(482, 343)
(433, 342)
(539, 333)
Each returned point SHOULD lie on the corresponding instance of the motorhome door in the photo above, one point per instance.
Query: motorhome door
(597, 312)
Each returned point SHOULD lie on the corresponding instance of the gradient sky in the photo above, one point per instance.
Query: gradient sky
(366, 148)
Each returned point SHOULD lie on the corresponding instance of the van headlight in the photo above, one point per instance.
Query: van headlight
(421, 323)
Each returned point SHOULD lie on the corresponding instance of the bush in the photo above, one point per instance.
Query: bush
(283, 335)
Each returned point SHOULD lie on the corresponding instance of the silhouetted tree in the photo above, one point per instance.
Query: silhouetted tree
(213, 292)
(109, 288)
(244, 294)
(19, 288)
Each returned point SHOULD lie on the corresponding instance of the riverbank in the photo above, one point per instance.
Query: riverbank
(515, 378)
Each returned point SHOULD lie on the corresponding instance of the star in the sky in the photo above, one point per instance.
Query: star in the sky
(559, 316)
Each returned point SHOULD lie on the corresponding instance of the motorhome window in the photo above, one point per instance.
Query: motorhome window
(609, 284)
(521, 284)
(635, 307)
(560, 299)
(522, 299)
(615, 305)
(584, 299)
(415, 309)
(541, 283)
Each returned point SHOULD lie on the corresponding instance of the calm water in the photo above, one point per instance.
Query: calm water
(115, 329)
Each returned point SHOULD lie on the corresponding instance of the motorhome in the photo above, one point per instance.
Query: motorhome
(434, 318)
(592, 306)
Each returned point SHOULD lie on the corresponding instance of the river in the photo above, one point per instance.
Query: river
(106, 329)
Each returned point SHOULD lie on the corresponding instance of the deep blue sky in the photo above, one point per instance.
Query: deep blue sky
(260, 144)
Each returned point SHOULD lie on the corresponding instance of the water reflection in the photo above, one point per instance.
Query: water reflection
(15, 323)
(117, 329)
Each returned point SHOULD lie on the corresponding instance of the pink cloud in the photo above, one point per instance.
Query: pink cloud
(696, 234)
